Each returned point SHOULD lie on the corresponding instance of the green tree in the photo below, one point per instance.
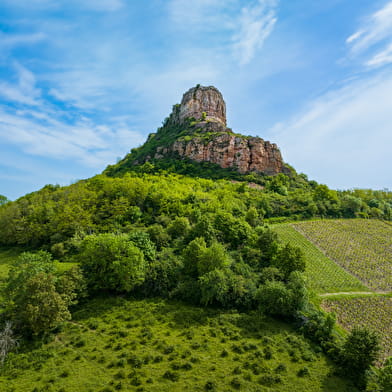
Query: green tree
(111, 262)
(289, 259)
(267, 242)
(214, 286)
(214, 257)
(159, 235)
(33, 302)
(179, 227)
(359, 352)
(191, 256)
(3, 200)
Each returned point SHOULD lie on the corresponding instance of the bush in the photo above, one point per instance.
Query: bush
(359, 352)
(111, 262)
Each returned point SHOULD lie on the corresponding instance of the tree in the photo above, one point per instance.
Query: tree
(111, 262)
(359, 352)
(3, 200)
(191, 256)
(37, 299)
(289, 259)
(280, 299)
(385, 377)
(214, 286)
(179, 227)
(38, 306)
(214, 257)
(267, 242)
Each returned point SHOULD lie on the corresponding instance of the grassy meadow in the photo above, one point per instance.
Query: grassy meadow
(154, 345)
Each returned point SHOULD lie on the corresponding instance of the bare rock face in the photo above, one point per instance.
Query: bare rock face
(227, 150)
(209, 140)
(201, 103)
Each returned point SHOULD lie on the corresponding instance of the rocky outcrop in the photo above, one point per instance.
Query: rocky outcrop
(200, 103)
(246, 154)
(206, 138)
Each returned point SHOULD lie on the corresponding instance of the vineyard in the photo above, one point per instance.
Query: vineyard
(323, 275)
(375, 312)
(362, 247)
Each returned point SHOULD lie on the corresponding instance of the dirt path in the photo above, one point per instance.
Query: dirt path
(353, 293)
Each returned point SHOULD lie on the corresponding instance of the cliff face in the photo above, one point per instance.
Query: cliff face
(213, 142)
(196, 129)
(199, 100)
(228, 150)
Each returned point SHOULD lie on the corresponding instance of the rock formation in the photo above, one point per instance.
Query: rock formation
(201, 102)
(209, 140)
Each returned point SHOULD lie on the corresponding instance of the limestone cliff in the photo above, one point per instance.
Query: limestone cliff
(196, 129)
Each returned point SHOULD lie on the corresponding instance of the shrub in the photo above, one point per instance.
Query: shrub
(111, 262)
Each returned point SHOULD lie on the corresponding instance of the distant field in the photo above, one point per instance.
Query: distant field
(374, 312)
(362, 247)
(8, 256)
(323, 274)
(153, 345)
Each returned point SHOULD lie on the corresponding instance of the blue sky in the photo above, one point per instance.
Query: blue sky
(83, 82)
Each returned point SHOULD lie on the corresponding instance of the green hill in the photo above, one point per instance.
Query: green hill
(170, 271)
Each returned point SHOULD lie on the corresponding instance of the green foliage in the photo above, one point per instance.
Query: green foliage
(385, 376)
(117, 340)
(323, 274)
(267, 242)
(212, 258)
(289, 259)
(37, 296)
(111, 262)
(3, 200)
(179, 227)
(279, 299)
(192, 255)
(360, 246)
(359, 352)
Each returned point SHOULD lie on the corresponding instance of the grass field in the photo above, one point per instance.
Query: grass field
(152, 345)
(362, 247)
(374, 312)
(323, 274)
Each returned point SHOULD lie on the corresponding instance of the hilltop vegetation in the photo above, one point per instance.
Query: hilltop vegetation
(155, 233)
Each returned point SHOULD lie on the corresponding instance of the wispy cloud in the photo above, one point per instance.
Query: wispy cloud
(42, 134)
(255, 25)
(11, 40)
(24, 91)
(374, 37)
(245, 27)
(346, 133)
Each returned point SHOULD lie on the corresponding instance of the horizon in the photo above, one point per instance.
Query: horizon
(83, 84)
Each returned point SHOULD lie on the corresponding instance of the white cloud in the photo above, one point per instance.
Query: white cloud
(41, 134)
(246, 27)
(255, 25)
(24, 91)
(375, 32)
(344, 138)
(381, 58)
(202, 14)
(11, 40)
